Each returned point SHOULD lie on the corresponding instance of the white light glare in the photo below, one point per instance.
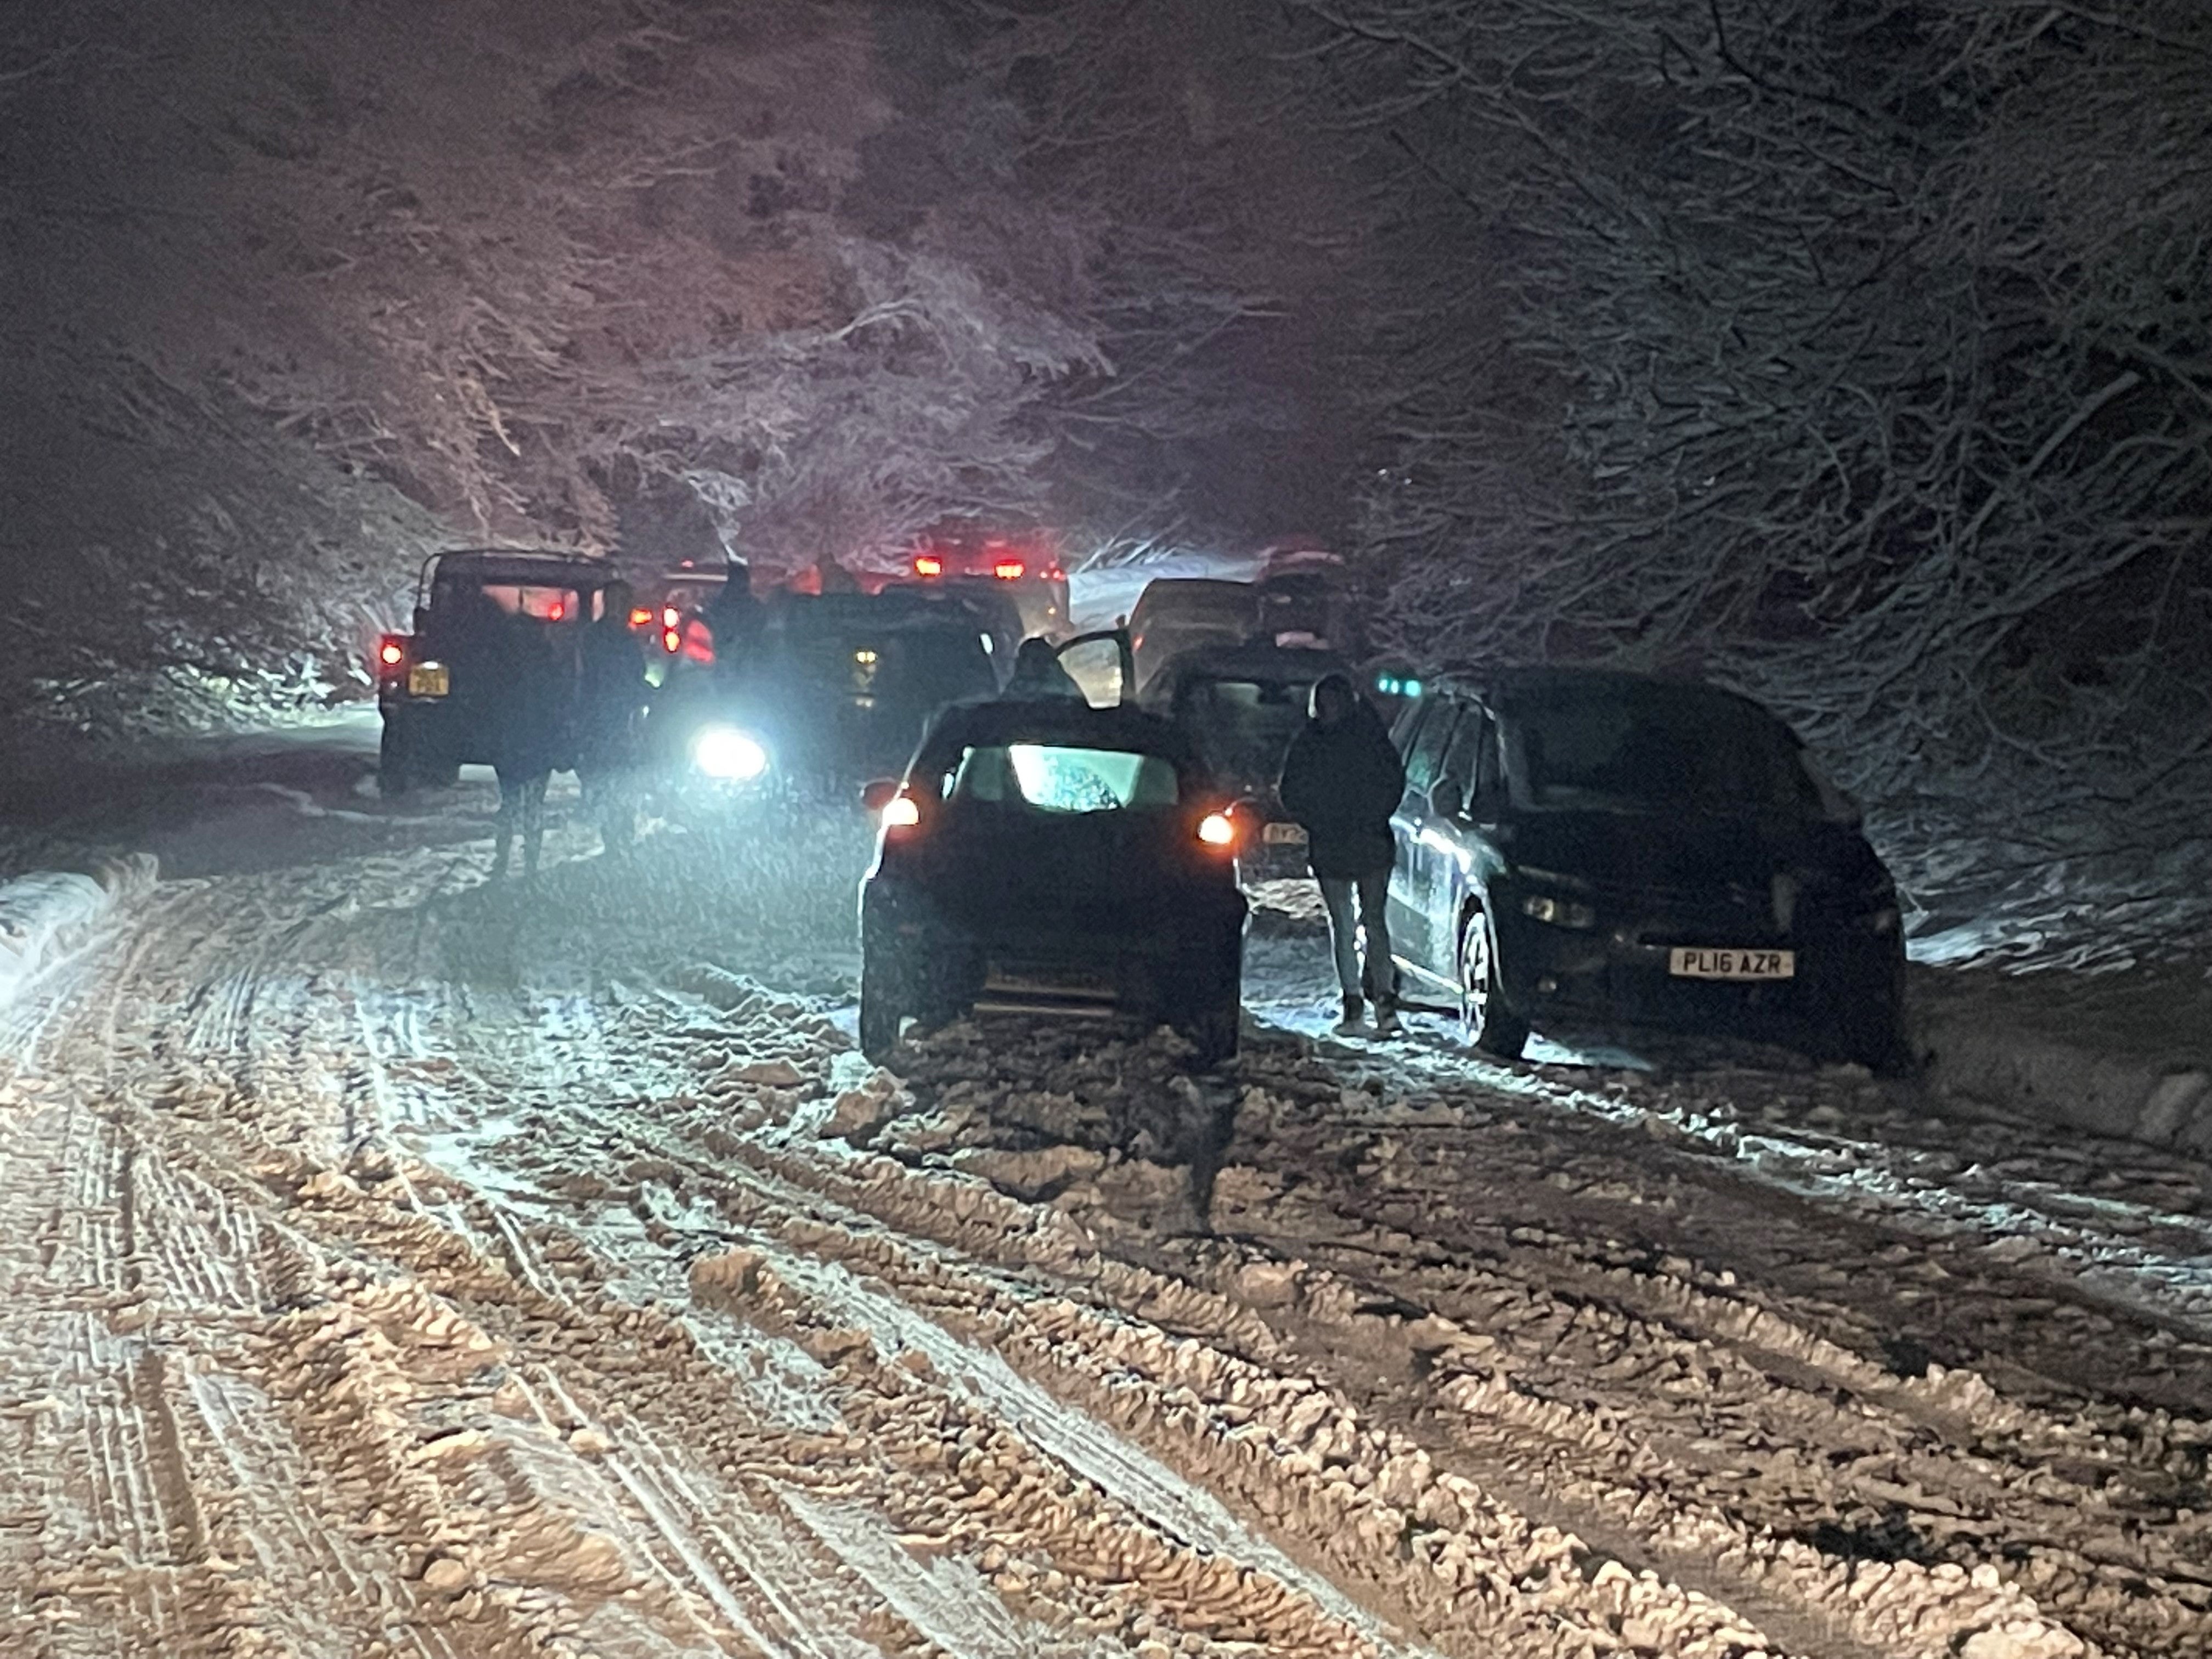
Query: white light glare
(725, 752)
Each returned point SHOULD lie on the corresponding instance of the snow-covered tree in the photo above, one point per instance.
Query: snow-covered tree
(1855, 353)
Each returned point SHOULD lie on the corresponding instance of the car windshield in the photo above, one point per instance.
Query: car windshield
(1243, 727)
(940, 664)
(1055, 779)
(1660, 746)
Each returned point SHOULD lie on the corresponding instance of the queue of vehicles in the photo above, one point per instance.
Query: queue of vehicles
(1575, 849)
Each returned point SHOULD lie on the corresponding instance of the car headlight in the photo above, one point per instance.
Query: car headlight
(1558, 912)
(725, 752)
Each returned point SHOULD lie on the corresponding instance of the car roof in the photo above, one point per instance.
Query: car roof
(523, 565)
(1196, 588)
(1060, 721)
(1505, 687)
(901, 608)
(1254, 660)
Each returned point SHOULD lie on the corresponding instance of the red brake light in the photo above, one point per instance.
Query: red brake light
(671, 641)
(1009, 570)
(670, 616)
(556, 610)
(928, 564)
(640, 617)
(900, 812)
(1218, 829)
(1053, 573)
(392, 652)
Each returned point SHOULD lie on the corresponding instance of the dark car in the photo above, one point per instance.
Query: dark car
(833, 689)
(1019, 568)
(1584, 848)
(1309, 607)
(1176, 614)
(1240, 706)
(446, 689)
(1046, 856)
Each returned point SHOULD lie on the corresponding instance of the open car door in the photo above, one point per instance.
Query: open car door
(1102, 663)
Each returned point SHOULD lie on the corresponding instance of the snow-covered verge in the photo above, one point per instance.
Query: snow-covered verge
(45, 915)
(2121, 1054)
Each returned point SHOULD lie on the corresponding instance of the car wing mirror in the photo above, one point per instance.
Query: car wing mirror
(1446, 800)
(876, 795)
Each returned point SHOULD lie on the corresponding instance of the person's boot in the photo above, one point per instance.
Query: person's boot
(1354, 1007)
(1386, 1020)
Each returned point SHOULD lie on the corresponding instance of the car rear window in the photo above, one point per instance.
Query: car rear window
(1243, 726)
(546, 603)
(1054, 778)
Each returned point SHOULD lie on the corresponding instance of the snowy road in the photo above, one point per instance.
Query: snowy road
(394, 1265)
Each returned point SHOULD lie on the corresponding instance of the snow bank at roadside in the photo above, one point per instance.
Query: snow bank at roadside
(47, 913)
(2127, 1055)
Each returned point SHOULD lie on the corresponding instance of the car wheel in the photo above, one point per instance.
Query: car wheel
(882, 1008)
(1214, 1033)
(1491, 1026)
(1872, 1034)
(394, 772)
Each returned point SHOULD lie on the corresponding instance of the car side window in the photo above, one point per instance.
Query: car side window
(1429, 741)
(1462, 758)
(1489, 783)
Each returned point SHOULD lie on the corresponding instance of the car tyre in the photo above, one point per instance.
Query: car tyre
(395, 772)
(1214, 1033)
(1873, 1035)
(882, 1007)
(1492, 1026)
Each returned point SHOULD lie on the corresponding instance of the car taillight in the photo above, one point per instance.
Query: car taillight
(1009, 570)
(1053, 573)
(671, 641)
(1218, 829)
(556, 611)
(392, 650)
(670, 616)
(640, 617)
(901, 813)
(928, 564)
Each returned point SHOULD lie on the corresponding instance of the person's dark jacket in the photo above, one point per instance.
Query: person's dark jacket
(611, 694)
(531, 700)
(1342, 783)
(733, 616)
(1039, 676)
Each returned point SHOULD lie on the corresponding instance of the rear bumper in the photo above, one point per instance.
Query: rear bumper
(1189, 957)
(435, 731)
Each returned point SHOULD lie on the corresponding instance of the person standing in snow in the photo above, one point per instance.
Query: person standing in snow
(1039, 675)
(610, 698)
(733, 616)
(532, 732)
(1341, 780)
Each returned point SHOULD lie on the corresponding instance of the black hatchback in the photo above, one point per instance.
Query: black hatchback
(1047, 857)
(1580, 848)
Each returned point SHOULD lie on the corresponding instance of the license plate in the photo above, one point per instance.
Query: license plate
(1692, 961)
(1284, 835)
(428, 679)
